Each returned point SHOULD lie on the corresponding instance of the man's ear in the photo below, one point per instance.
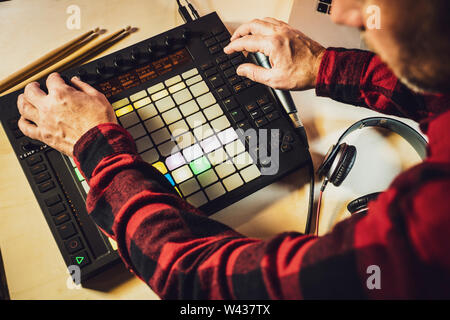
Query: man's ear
(348, 12)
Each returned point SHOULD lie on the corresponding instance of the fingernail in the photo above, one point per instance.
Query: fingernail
(76, 78)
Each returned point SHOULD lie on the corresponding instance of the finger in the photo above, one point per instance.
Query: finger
(26, 109)
(254, 27)
(28, 128)
(55, 82)
(83, 86)
(255, 73)
(249, 43)
(34, 94)
(274, 21)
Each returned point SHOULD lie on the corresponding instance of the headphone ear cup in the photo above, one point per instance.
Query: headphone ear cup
(346, 163)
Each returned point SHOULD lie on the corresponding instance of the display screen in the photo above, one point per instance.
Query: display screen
(144, 73)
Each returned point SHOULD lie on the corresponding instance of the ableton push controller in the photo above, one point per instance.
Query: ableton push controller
(180, 98)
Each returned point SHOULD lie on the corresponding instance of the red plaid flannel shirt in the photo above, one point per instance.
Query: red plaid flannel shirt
(181, 253)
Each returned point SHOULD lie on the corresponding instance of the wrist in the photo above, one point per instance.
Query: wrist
(100, 142)
(317, 64)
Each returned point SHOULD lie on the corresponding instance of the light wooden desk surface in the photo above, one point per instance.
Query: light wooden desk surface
(34, 267)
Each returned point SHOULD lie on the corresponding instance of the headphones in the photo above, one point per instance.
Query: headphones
(341, 157)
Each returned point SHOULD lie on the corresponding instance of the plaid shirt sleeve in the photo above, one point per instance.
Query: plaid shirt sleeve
(180, 253)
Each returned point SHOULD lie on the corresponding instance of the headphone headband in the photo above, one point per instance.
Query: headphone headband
(414, 138)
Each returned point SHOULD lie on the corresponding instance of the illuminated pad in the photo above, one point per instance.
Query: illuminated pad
(181, 130)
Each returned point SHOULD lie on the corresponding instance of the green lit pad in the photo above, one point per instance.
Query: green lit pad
(79, 175)
(200, 165)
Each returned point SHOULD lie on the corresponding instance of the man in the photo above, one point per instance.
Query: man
(180, 253)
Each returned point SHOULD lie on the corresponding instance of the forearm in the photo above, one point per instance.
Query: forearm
(360, 78)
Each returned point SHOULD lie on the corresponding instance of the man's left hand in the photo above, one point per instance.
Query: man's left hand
(62, 116)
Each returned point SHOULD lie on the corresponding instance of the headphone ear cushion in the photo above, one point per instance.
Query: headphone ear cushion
(346, 164)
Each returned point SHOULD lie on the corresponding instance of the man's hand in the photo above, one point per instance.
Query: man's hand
(60, 118)
(294, 57)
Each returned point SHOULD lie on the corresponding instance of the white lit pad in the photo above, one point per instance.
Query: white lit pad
(189, 108)
(175, 161)
(143, 144)
(182, 174)
(208, 177)
(210, 144)
(165, 104)
(150, 156)
(189, 187)
(154, 123)
(129, 120)
(199, 88)
(160, 136)
(225, 169)
(227, 135)
(206, 100)
(195, 120)
(213, 112)
(137, 131)
(171, 116)
(233, 182)
(190, 73)
(192, 152)
(198, 199)
(147, 112)
(220, 123)
(85, 186)
(215, 191)
(250, 173)
(182, 96)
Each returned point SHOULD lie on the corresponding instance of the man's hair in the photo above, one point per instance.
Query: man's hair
(423, 35)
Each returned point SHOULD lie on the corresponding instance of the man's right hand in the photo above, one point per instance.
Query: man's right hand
(294, 57)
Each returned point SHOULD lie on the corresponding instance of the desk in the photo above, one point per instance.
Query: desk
(33, 264)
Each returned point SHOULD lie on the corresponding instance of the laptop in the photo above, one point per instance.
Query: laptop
(312, 17)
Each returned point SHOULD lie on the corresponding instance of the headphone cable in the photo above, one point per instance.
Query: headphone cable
(319, 203)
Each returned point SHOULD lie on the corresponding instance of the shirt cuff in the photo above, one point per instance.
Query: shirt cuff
(340, 73)
(99, 142)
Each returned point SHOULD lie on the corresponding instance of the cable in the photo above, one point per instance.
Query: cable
(193, 11)
(184, 13)
(311, 196)
(319, 203)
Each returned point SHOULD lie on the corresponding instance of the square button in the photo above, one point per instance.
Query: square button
(160, 136)
(182, 96)
(147, 112)
(189, 108)
(233, 182)
(206, 100)
(213, 112)
(154, 123)
(137, 131)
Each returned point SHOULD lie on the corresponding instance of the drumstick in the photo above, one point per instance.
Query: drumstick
(42, 62)
(78, 56)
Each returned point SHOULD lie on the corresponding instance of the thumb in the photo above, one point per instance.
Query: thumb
(83, 86)
(255, 73)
